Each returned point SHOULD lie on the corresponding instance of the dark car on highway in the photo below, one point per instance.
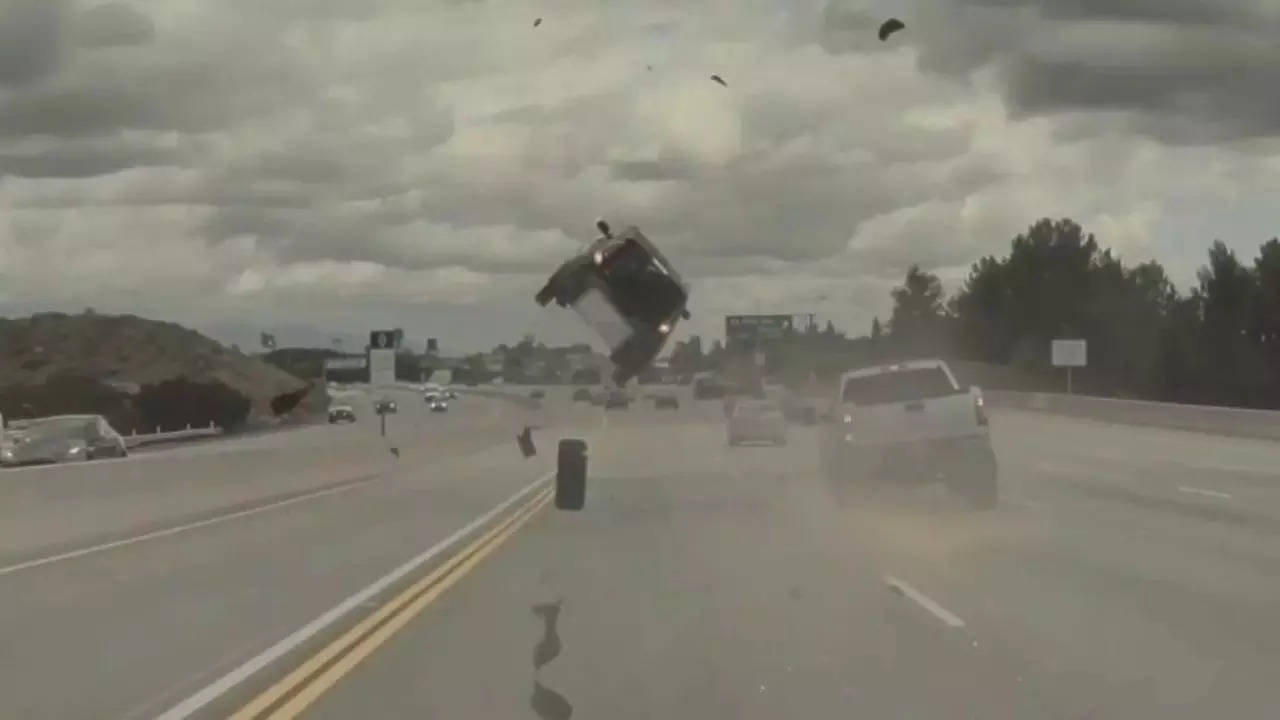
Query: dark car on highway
(616, 399)
(627, 292)
(582, 395)
(385, 406)
(709, 388)
(62, 438)
(666, 402)
(341, 413)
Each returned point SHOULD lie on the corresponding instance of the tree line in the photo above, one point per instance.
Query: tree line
(1216, 343)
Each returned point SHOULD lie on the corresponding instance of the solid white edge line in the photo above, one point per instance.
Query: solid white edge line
(220, 686)
(180, 528)
(925, 602)
(1199, 491)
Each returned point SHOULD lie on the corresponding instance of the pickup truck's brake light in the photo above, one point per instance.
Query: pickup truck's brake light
(979, 412)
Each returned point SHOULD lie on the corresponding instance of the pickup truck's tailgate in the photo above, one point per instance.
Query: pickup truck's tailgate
(936, 417)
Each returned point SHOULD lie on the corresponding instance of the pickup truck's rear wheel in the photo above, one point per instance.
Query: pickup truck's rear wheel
(978, 482)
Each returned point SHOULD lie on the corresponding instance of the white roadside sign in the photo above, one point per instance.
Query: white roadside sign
(1069, 353)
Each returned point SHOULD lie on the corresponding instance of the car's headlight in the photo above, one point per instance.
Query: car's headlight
(664, 328)
(848, 419)
(75, 450)
(598, 257)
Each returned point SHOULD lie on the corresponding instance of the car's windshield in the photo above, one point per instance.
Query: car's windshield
(68, 427)
(897, 386)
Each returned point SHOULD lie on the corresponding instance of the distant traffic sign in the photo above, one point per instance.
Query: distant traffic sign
(747, 332)
(1069, 353)
(385, 339)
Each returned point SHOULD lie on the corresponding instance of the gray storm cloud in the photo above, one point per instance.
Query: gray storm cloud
(414, 142)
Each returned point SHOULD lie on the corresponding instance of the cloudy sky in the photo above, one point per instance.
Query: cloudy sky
(321, 167)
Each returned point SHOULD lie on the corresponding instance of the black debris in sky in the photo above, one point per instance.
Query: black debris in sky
(720, 80)
(537, 22)
(889, 27)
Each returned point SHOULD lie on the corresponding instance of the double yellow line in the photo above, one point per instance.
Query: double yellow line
(300, 688)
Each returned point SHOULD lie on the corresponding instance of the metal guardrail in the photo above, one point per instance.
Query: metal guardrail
(136, 439)
(1237, 422)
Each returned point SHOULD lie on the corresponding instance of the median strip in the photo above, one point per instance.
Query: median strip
(302, 687)
(253, 665)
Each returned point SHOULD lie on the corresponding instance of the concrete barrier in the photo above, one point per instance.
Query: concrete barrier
(1236, 422)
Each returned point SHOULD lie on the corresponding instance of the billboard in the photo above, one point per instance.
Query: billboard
(1069, 353)
(385, 339)
(382, 366)
(746, 333)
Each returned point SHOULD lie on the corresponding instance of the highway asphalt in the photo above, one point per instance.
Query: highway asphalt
(1128, 572)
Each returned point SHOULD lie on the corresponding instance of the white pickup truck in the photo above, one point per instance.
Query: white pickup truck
(909, 423)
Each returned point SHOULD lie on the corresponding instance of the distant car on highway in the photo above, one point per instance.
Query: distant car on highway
(666, 402)
(757, 421)
(538, 394)
(708, 388)
(62, 438)
(582, 395)
(449, 393)
(909, 423)
(438, 404)
(341, 413)
(616, 399)
(386, 406)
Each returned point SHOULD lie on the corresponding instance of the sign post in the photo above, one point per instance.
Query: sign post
(382, 367)
(1069, 354)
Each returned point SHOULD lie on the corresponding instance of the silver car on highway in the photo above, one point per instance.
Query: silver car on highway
(757, 421)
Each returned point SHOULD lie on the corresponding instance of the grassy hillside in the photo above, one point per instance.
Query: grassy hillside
(127, 352)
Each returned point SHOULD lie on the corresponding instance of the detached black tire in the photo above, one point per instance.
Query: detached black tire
(979, 482)
(571, 474)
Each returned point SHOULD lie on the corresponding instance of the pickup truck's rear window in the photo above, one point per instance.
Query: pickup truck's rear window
(897, 386)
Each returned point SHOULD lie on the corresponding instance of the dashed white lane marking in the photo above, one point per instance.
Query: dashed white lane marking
(1080, 470)
(925, 602)
(1201, 491)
